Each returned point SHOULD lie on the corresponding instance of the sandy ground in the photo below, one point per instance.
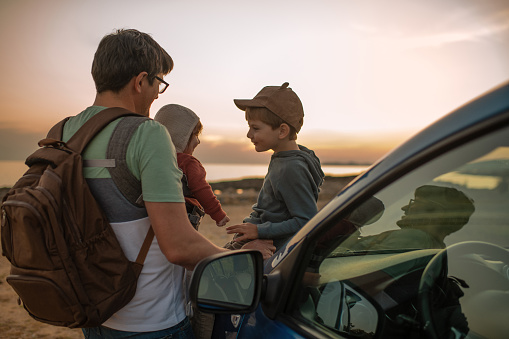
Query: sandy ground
(16, 323)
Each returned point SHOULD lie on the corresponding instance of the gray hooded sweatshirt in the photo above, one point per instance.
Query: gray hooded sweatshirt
(287, 199)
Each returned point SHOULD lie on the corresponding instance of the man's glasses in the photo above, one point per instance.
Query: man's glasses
(163, 85)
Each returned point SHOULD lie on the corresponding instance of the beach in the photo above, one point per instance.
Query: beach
(237, 197)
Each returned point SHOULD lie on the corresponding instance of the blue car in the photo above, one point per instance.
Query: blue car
(415, 247)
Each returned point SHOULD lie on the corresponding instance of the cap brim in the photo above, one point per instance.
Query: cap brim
(245, 103)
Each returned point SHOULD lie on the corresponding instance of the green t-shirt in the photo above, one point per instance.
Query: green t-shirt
(151, 156)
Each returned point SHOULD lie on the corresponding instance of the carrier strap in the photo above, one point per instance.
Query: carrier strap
(126, 182)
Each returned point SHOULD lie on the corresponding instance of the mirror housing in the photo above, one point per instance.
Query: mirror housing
(228, 282)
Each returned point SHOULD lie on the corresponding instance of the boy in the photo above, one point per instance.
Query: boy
(184, 127)
(287, 199)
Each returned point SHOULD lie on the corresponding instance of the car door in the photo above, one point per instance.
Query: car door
(427, 254)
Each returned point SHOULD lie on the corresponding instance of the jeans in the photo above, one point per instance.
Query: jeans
(180, 331)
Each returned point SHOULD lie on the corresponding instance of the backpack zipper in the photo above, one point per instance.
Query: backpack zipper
(69, 220)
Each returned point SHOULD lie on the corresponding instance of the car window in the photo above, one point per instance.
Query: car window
(371, 272)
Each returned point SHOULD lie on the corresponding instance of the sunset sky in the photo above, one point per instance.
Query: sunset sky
(369, 73)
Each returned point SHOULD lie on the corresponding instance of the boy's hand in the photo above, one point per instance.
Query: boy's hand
(248, 231)
(223, 222)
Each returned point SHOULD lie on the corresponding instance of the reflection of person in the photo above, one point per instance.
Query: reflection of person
(432, 215)
(184, 127)
(128, 70)
(287, 199)
(366, 213)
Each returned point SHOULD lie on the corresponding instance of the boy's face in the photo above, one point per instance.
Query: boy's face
(263, 136)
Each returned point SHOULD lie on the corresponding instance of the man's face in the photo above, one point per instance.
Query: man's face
(150, 93)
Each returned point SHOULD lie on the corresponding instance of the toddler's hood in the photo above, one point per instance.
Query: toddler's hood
(180, 122)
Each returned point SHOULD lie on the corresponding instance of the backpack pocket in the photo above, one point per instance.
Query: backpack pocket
(44, 299)
(27, 239)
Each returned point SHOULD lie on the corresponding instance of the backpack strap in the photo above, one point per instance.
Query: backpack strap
(86, 133)
(146, 246)
(115, 161)
(57, 131)
(126, 182)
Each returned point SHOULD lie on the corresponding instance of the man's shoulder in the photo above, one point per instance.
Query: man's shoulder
(150, 129)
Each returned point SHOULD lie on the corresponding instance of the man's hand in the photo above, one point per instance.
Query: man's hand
(247, 231)
(265, 246)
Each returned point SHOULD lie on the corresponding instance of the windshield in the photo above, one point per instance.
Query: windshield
(460, 196)
(374, 269)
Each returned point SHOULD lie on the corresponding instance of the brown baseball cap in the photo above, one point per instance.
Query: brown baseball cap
(280, 100)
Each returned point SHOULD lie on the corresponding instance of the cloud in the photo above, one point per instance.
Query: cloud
(441, 39)
(436, 26)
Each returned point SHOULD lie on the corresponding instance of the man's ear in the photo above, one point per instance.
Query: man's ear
(284, 130)
(138, 81)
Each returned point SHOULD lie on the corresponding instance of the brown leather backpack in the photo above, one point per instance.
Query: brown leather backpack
(67, 266)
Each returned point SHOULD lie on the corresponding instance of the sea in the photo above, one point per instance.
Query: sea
(11, 171)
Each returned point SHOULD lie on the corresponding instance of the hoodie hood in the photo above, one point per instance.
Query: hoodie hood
(310, 158)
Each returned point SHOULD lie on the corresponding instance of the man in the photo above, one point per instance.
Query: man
(128, 71)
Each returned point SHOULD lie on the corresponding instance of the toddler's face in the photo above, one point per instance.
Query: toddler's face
(263, 136)
(192, 144)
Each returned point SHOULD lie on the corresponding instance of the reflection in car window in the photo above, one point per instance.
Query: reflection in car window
(365, 270)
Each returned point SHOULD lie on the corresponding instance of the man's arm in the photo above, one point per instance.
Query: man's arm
(178, 240)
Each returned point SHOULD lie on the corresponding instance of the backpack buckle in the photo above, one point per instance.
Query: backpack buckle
(48, 142)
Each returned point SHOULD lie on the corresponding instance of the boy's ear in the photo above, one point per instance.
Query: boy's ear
(284, 131)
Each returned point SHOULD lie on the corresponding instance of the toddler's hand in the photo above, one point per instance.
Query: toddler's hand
(223, 222)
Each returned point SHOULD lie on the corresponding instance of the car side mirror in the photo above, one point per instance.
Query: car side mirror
(228, 282)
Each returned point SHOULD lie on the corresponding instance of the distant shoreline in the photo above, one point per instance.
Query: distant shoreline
(235, 191)
(256, 182)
